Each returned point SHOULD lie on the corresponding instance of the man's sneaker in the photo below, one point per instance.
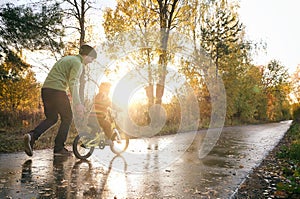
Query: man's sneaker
(28, 143)
(63, 152)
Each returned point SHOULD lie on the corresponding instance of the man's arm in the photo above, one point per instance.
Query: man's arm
(74, 81)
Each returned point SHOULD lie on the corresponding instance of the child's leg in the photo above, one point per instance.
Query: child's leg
(93, 123)
(106, 126)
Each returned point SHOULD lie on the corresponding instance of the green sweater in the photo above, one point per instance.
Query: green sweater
(66, 74)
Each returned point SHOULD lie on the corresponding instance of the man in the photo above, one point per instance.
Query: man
(64, 75)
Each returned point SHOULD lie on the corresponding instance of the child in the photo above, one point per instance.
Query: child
(101, 104)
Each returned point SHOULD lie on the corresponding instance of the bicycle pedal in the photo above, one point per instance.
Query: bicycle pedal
(102, 144)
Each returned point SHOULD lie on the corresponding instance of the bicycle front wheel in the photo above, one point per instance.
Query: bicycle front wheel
(81, 147)
(119, 143)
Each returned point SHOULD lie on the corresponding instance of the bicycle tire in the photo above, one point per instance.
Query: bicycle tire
(80, 150)
(117, 147)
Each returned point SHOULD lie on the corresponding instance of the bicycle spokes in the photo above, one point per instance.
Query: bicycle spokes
(83, 147)
(119, 142)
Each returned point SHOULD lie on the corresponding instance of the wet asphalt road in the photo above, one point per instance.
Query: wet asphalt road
(167, 167)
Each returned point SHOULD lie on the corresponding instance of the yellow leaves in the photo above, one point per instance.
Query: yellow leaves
(19, 94)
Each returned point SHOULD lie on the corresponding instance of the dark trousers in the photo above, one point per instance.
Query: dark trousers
(106, 126)
(95, 120)
(56, 103)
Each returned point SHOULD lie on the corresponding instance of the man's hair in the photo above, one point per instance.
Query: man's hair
(88, 50)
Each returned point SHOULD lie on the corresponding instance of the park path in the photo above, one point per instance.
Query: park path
(150, 168)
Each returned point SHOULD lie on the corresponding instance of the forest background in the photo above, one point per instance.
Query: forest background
(52, 29)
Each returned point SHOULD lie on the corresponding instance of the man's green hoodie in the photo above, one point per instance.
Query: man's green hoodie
(66, 74)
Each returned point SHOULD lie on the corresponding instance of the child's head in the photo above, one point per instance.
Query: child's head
(104, 87)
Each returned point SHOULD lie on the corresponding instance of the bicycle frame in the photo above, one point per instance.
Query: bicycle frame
(118, 142)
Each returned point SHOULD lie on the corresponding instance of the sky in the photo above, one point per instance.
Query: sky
(275, 22)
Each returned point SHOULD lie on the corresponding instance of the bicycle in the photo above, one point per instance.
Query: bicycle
(85, 143)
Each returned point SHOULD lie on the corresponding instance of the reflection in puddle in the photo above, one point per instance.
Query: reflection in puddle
(71, 178)
(26, 172)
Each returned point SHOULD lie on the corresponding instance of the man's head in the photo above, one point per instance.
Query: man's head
(88, 53)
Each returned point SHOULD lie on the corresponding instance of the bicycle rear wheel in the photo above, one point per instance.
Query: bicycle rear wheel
(82, 149)
(119, 143)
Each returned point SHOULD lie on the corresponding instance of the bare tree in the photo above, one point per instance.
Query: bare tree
(78, 9)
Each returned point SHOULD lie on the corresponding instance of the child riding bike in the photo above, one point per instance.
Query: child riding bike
(100, 114)
(91, 135)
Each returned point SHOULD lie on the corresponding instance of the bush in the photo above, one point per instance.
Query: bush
(296, 115)
(290, 156)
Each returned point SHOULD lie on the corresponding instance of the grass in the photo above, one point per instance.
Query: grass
(10, 142)
(290, 156)
(11, 139)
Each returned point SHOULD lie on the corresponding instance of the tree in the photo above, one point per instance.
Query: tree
(145, 16)
(25, 28)
(219, 32)
(197, 80)
(77, 11)
(137, 15)
(295, 80)
(19, 91)
(220, 29)
(222, 37)
(250, 102)
(277, 87)
(33, 27)
(79, 15)
(275, 75)
(167, 10)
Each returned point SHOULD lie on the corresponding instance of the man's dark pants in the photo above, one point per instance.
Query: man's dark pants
(56, 103)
